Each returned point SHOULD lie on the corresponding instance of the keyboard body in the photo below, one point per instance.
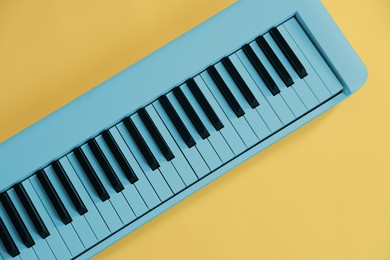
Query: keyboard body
(53, 138)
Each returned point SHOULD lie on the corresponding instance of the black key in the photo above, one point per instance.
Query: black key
(8, 242)
(70, 190)
(181, 128)
(157, 137)
(288, 52)
(120, 158)
(261, 70)
(106, 166)
(91, 174)
(204, 103)
(232, 101)
(141, 144)
(31, 211)
(193, 116)
(16, 220)
(271, 56)
(54, 198)
(227, 63)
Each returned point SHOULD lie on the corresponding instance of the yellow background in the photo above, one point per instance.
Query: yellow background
(321, 193)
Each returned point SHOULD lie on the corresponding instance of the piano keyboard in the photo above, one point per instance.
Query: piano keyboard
(89, 174)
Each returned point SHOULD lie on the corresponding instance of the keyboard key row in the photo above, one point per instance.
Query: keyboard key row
(147, 158)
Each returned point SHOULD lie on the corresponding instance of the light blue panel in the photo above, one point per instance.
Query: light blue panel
(67, 232)
(93, 217)
(202, 145)
(288, 94)
(105, 208)
(192, 154)
(264, 109)
(311, 53)
(130, 192)
(41, 248)
(162, 189)
(79, 224)
(312, 80)
(166, 168)
(240, 124)
(55, 240)
(182, 164)
(220, 140)
(255, 121)
(117, 200)
(25, 253)
(276, 102)
(143, 185)
(299, 86)
(229, 130)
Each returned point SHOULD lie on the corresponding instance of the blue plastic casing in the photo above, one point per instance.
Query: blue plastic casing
(54, 136)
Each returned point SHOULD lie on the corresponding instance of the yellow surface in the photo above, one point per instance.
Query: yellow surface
(320, 193)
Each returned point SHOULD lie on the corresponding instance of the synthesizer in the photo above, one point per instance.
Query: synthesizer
(95, 170)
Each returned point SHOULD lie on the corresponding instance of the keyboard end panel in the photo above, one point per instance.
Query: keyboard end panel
(334, 47)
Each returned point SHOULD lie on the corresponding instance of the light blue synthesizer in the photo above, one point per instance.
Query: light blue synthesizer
(95, 170)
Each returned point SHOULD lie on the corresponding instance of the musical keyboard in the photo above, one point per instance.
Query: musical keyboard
(108, 162)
